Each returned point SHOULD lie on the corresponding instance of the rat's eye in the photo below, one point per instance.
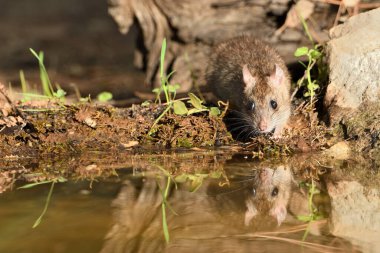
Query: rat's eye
(275, 192)
(251, 106)
(273, 104)
(254, 192)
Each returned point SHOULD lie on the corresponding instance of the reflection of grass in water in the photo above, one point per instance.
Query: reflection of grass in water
(53, 181)
(314, 214)
(276, 236)
(195, 180)
(39, 219)
(163, 208)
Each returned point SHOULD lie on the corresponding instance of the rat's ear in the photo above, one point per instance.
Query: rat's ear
(250, 213)
(248, 79)
(278, 76)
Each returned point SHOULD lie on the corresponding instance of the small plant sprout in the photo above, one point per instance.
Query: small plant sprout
(104, 96)
(170, 92)
(181, 109)
(313, 55)
(47, 87)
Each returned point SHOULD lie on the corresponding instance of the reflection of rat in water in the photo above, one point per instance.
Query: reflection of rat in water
(270, 194)
(254, 79)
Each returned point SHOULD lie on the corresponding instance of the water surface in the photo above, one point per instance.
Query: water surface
(215, 203)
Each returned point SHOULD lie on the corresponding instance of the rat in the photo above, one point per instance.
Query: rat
(253, 78)
(270, 193)
(257, 199)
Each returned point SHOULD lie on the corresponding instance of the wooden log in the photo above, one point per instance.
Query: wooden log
(191, 28)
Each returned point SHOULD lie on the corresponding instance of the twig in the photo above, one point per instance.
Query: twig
(14, 108)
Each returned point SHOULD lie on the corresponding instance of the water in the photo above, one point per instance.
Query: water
(220, 203)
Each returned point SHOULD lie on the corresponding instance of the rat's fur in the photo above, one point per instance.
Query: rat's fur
(245, 70)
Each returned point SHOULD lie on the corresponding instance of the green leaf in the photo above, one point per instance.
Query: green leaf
(179, 107)
(86, 99)
(181, 178)
(195, 101)
(196, 181)
(301, 51)
(156, 90)
(215, 174)
(214, 111)
(60, 93)
(304, 218)
(61, 179)
(145, 103)
(196, 184)
(173, 87)
(315, 54)
(104, 96)
(195, 110)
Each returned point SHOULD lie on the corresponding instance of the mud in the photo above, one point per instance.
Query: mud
(61, 129)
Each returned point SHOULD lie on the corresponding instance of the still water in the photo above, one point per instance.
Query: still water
(213, 203)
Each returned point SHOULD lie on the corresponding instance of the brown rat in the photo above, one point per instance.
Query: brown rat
(254, 79)
(271, 191)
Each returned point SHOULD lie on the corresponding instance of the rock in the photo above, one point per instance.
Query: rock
(340, 151)
(354, 64)
(291, 35)
(355, 214)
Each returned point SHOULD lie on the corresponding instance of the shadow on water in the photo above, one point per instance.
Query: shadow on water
(217, 201)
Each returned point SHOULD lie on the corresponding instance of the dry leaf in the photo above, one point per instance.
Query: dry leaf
(350, 3)
(303, 8)
(90, 122)
(130, 144)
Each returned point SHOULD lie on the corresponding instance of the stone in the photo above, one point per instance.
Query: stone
(355, 214)
(340, 151)
(291, 35)
(354, 64)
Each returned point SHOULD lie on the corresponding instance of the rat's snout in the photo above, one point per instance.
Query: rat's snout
(263, 125)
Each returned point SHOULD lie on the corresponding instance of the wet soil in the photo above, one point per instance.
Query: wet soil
(73, 129)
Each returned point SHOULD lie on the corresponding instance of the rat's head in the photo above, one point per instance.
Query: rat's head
(270, 194)
(267, 99)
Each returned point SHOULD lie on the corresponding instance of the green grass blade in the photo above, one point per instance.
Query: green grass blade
(38, 221)
(162, 59)
(305, 27)
(159, 118)
(34, 95)
(45, 81)
(23, 82)
(163, 207)
(24, 86)
(27, 186)
(165, 224)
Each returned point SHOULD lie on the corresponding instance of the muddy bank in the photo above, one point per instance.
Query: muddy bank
(58, 129)
(61, 129)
